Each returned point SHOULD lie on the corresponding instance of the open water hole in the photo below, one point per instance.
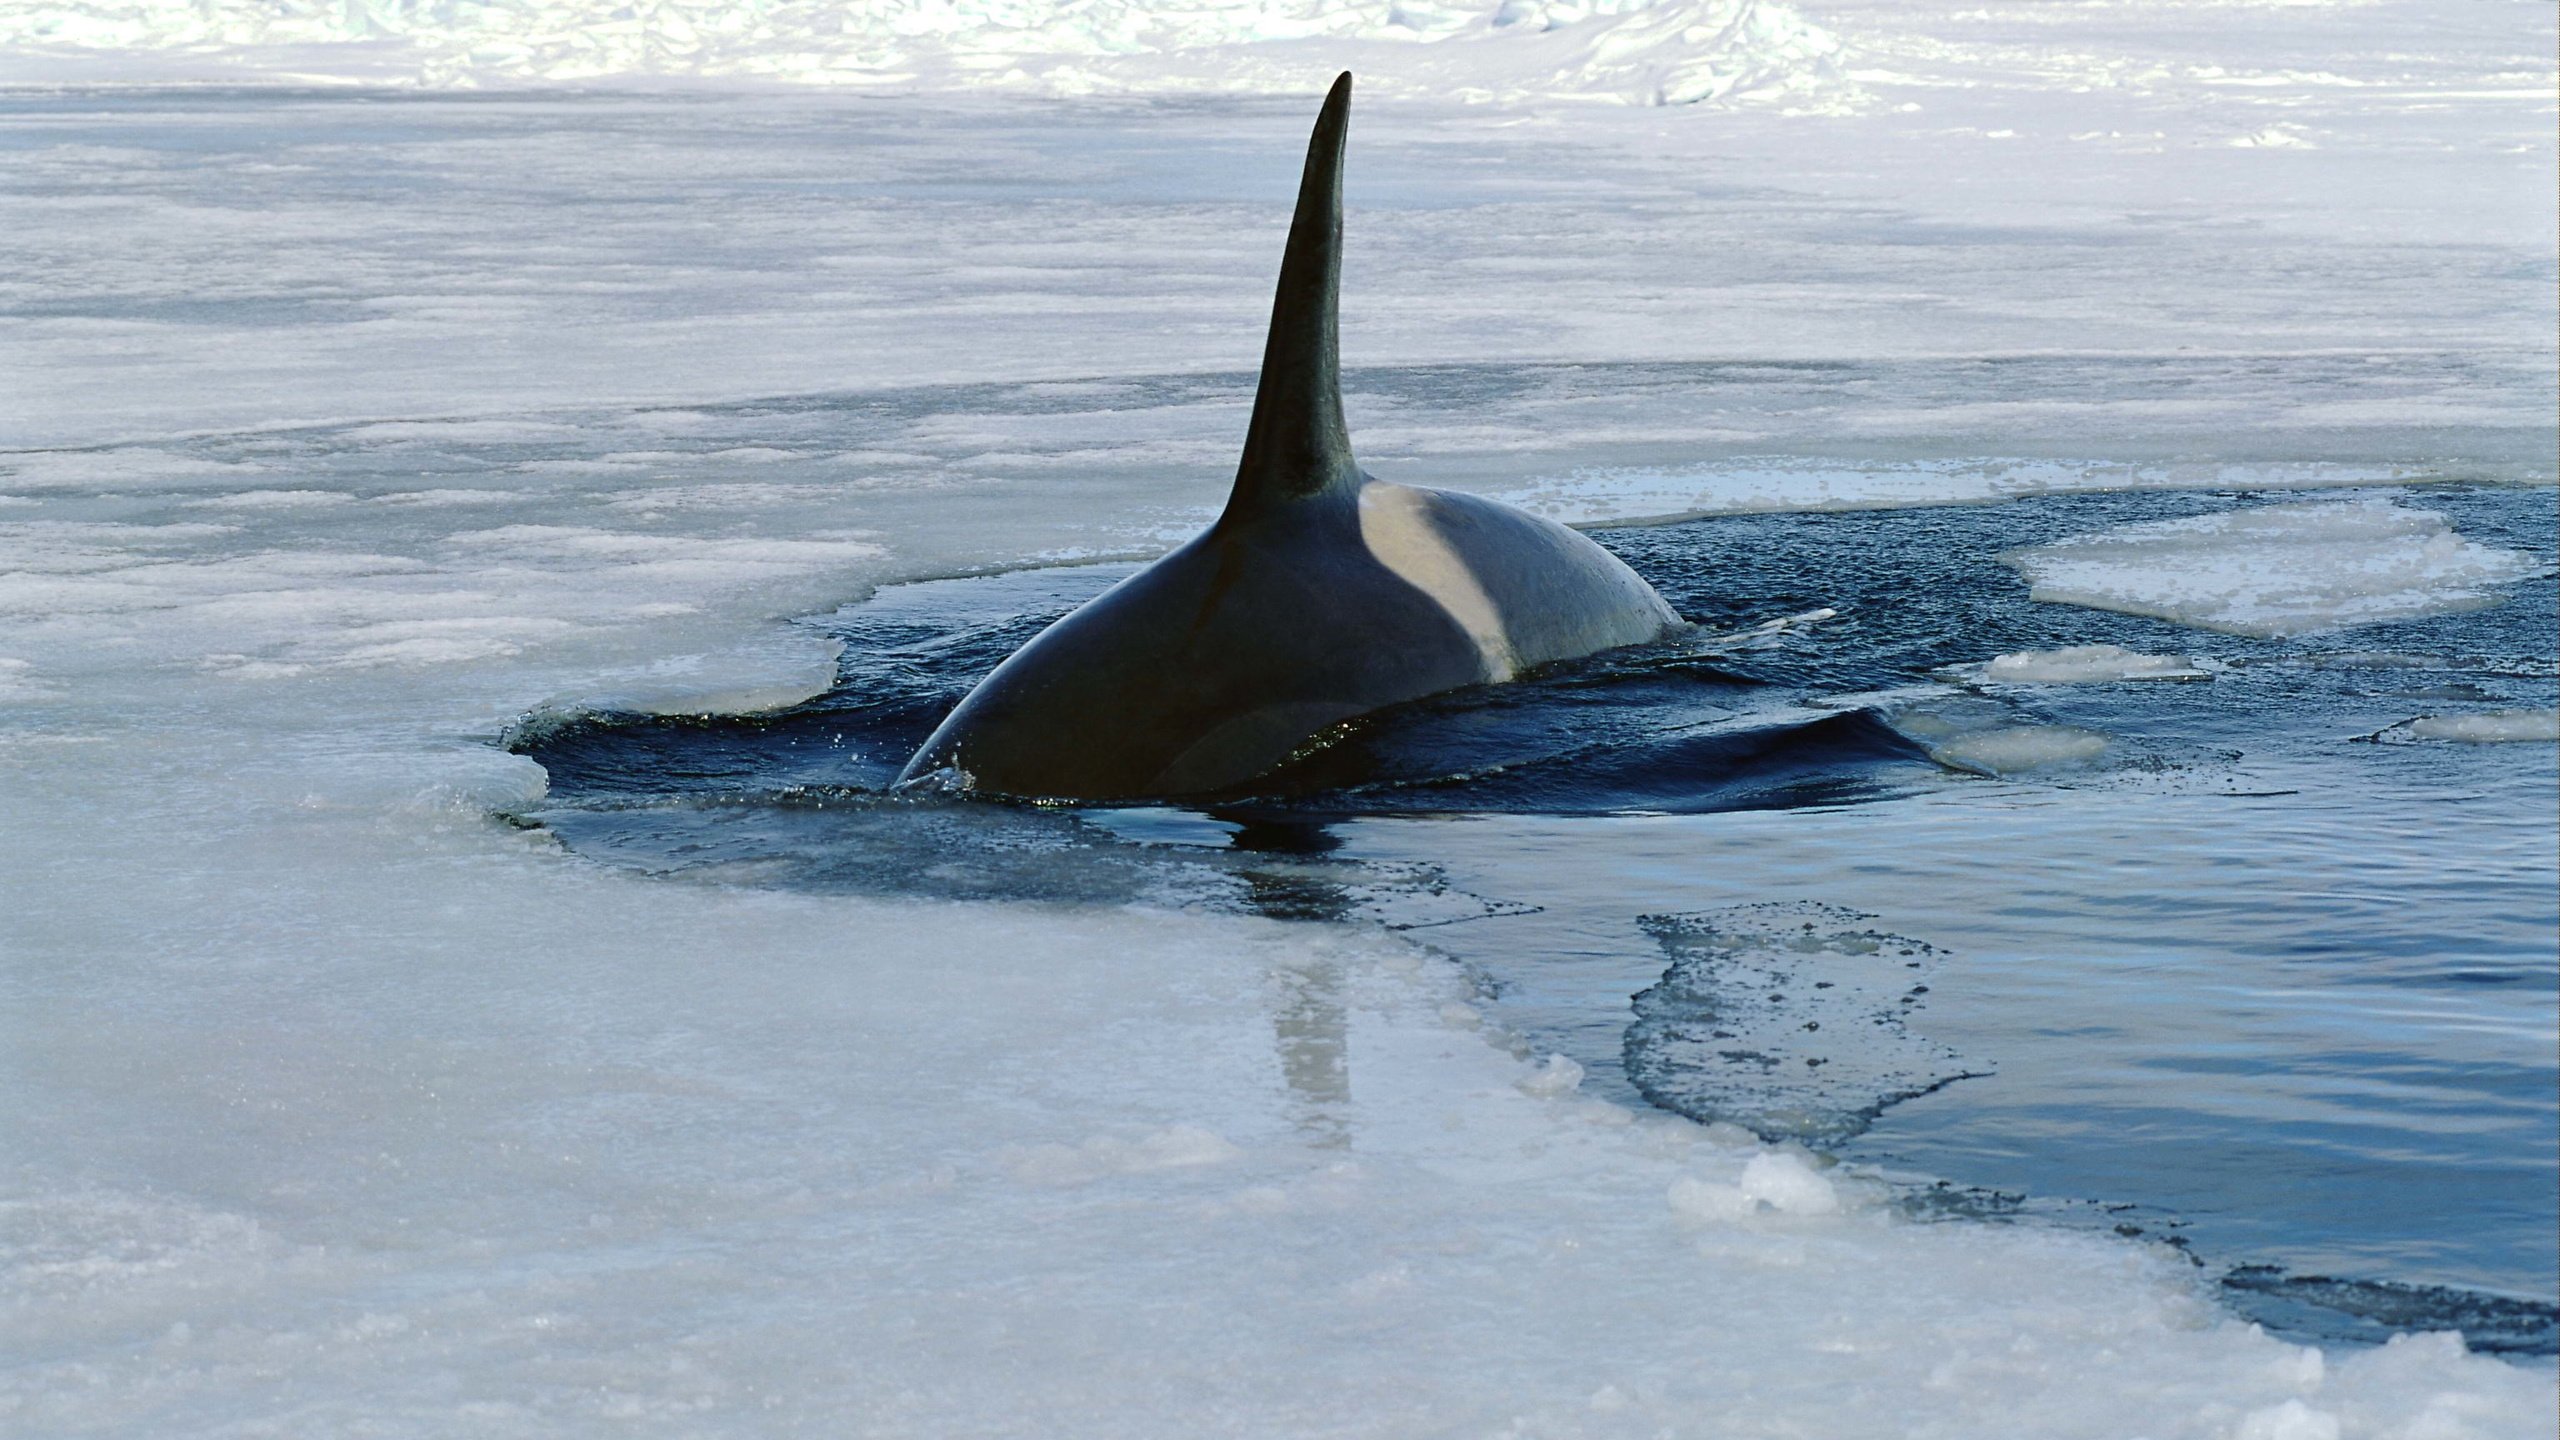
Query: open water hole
(2219, 967)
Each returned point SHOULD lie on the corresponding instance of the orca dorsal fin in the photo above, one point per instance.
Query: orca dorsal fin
(1298, 445)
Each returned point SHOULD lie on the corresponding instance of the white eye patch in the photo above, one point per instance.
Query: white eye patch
(1396, 524)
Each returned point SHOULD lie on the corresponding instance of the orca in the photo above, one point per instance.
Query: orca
(1320, 594)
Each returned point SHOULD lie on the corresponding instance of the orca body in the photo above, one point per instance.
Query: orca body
(1320, 594)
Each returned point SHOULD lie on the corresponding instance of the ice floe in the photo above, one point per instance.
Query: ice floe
(2278, 570)
(1774, 1181)
(2084, 665)
(1972, 735)
(2016, 749)
(2482, 727)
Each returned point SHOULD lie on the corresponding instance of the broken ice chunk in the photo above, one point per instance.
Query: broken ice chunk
(2481, 727)
(2083, 665)
(1980, 739)
(2277, 571)
(2016, 749)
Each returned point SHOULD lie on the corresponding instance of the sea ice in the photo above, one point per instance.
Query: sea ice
(1640, 51)
(18, 682)
(1785, 1018)
(2292, 1420)
(1759, 486)
(1972, 735)
(2017, 749)
(1778, 1181)
(2085, 664)
(336, 1106)
(2485, 727)
(2278, 570)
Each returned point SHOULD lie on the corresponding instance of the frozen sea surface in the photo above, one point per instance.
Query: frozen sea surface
(1646, 52)
(346, 429)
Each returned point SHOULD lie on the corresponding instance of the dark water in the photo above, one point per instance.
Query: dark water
(2242, 979)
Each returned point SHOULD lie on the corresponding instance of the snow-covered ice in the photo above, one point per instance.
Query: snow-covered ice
(1637, 51)
(1773, 1180)
(2278, 570)
(345, 431)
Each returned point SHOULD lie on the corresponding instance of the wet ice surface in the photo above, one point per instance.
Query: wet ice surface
(346, 429)
(1735, 1029)
(2214, 967)
(2487, 727)
(2077, 664)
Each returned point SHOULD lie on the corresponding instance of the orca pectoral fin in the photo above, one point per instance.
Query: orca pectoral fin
(1297, 445)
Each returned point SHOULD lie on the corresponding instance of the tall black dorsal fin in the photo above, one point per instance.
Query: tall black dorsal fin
(1297, 445)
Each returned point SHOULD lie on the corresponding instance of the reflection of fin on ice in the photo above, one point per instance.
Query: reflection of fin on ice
(1311, 1029)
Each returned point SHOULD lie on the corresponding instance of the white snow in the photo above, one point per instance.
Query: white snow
(1653, 52)
(342, 433)
(2279, 569)
(1555, 1075)
(2291, 1420)
(2085, 665)
(1777, 1181)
